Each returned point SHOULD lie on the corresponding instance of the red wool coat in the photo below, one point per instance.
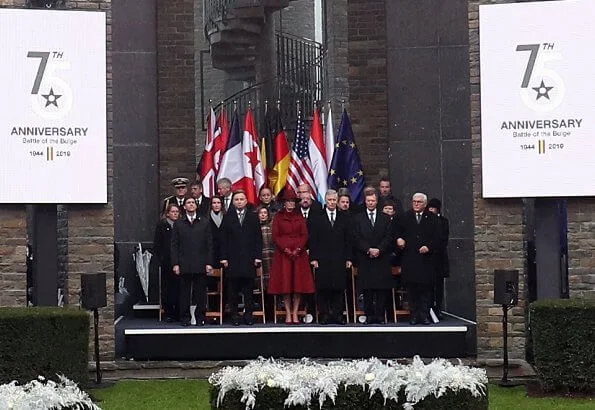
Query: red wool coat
(290, 273)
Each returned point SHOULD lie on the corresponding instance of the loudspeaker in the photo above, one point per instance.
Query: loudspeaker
(93, 293)
(506, 287)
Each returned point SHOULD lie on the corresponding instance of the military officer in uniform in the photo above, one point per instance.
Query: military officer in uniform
(181, 188)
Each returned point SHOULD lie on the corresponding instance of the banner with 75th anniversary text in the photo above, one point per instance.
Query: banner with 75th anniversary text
(537, 99)
(53, 142)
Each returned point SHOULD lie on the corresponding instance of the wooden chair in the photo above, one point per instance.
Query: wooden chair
(398, 308)
(218, 294)
(259, 292)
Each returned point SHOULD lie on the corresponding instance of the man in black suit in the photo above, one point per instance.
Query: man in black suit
(181, 189)
(203, 204)
(372, 240)
(170, 284)
(192, 259)
(385, 192)
(330, 255)
(441, 257)
(241, 254)
(224, 191)
(418, 237)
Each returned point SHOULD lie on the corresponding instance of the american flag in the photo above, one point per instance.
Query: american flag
(300, 168)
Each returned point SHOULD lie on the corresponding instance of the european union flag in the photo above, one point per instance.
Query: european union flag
(346, 168)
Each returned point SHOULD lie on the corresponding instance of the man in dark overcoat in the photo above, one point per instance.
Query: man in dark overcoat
(330, 255)
(203, 203)
(170, 282)
(418, 236)
(241, 254)
(192, 259)
(372, 241)
(441, 258)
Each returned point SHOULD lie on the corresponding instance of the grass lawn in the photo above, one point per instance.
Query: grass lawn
(193, 394)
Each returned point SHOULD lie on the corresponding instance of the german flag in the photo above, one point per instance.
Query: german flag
(276, 151)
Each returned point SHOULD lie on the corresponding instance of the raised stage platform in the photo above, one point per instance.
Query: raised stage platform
(149, 339)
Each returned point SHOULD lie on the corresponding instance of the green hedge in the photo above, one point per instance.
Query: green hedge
(43, 341)
(563, 334)
(352, 398)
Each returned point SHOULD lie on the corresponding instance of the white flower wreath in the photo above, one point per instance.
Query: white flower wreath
(307, 379)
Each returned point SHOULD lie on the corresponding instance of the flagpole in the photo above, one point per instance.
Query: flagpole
(342, 105)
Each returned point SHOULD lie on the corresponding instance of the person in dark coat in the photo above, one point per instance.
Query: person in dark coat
(441, 256)
(203, 204)
(267, 200)
(418, 237)
(372, 240)
(291, 275)
(385, 194)
(170, 284)
(181, 189)
(192, 259)
(330, 255)
(241, 254)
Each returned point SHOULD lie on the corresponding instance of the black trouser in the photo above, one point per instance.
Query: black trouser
(375, 304)
(330, 305)
(420, 300)
(438, 294)
(234, 287)
(170, 292)
(193, 291)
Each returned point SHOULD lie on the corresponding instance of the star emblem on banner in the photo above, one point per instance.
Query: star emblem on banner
(51, 98)
(542, 91)
(333, 172)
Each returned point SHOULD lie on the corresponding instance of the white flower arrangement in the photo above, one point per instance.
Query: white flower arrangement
(306, 380)
(44, 394)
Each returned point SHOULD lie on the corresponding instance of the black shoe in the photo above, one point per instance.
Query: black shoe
(169, 319)
(439, 315)
(235, 321)
(370, 321)
(340, 320)
(427, 321)
(185, 323)
(413, 322)
(324, 320)
(249, 320)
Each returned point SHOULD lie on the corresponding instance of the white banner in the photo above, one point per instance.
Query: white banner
(537, 99)
(53, 107)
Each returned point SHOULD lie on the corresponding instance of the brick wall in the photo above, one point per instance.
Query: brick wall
(581, 247)
(336, 63)
(368, 84)
(498, 232)
(176, 93)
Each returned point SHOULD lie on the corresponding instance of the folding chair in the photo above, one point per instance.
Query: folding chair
(218, 294)
(398, 297)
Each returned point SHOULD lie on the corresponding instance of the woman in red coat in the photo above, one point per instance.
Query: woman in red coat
(290, 271)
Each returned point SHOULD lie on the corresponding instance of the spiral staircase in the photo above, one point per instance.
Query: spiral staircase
(242, 40)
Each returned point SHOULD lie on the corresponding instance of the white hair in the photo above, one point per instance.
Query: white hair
(423, 196)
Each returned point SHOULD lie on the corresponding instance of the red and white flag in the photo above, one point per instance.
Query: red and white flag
(215, 146)
(317, 151)
(254, 176)
(300, 168)
(232, 166)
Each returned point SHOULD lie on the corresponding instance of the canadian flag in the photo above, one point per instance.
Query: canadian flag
(254, 176)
